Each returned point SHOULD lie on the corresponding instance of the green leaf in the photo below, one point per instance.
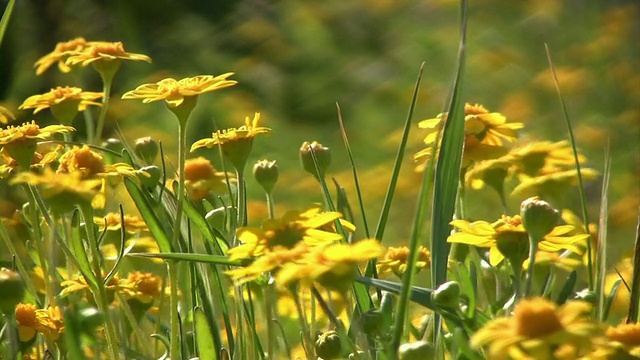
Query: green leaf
(567, 289)
(77, 247)
(202, 258)
(634, 304)
(72, 337)
(609, 299)
(208, 232)
(206, 348)
(601, 253)
(4, 22)
(149, 215)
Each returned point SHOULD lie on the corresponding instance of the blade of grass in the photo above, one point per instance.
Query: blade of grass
(4, 22)
(634, 304)
(203, 258)
(583, 199)
(206, 348)
(77, 247)
(601, 247)
(567, 289)
(148, 214)
(418, 295)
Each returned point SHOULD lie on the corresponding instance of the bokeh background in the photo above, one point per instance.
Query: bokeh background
(295, 59)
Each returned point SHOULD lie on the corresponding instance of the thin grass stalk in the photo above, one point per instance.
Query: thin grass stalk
(100, 293)
(18, 262)
(634, 304)
(583, 199)
(271, 206)
(107, 81)
(39, 241)
(414, 244)
(601, 247)
(6, 16)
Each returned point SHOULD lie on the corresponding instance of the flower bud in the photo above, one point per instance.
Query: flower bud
(447, 295)
(322, 155)
(328, 345)
(538, 217)
(113, 144)
(147, 149)
(419, 350)
(372, 322)
(514, 245)
(266, 174)
(12, 290)
(149, 176)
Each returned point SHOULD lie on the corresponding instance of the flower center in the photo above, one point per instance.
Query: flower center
(109, 49)
(536, 318)
(287, 236)
(628, 334)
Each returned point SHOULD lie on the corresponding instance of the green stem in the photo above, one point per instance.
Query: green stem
(100, 293)
(174, 347)
(533, 248)
(242, 199)
(306, 335)
(107, 80)
(39, 242)
(270, 206)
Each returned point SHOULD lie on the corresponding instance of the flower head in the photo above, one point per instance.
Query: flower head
(59, 55)
(333, 266)
(235, 143)
(27, 323)
(142, 286)
(271, 260)
(539, 329)
(201, 178)
(20, 142)
(623, 341)
(97, 51)
(50, 322)
(64, 102)
(553, 182)
(6, 115)
(396, 258)
(113, 222)
(543, 157)
(507, 237)
(174, 92)
(287, 231)
(486, 134)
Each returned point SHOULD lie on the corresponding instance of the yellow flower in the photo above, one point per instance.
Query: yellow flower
(132, 224)
(38, 161)
(78, 283)
(102, 51)
(485, 134)
(271, 260)
(174, 92)
(570, 218)
(287, 231)
(560, 260)
(142, 286)
(59, 55)
(395, 260)
(623, 271)
(73, 97)
(508, 235)
(63, 191)
(553, 182)
(27, 323)
(623, 341)
(543, 157)
(492, 172)
(82, 161)
(235, 143)
(333, 266)
(539, 329)
(20, 142)
(201, 178)
(50, 322)
(5, 115)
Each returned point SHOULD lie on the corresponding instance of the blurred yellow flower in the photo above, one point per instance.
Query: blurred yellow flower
(38, 161)
(50, 322)
(59, 55)
(333, 266)
(201, 178)
(492, 172)
(543, 157)
(173, 91)
(623, 271)
(559, 260)
(508, 234)
(27, 322)
(78, 283)
(287, 231)
(539, 329)
(271, 260)
(18, 135)
(112, 220)
(395, 260)
(101, 51)
(553, 182)
(623, 342)
(72, 97)
(572, 219)
(486, 134)
(145, 287)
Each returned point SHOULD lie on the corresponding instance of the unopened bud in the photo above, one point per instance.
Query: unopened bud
(538, 217)
(266, 174)
(328, 345)
(147, 149)
(322, 155)
(447, 295)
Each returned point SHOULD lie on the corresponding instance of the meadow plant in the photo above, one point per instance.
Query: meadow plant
(111, 252)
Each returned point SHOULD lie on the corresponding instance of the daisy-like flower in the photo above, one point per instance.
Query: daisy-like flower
(236, 143)
(272, 260)
(20, 141)
(492, 172)
(543, 157)
(100, 51)
(287, 231)
(78, 284)
(27, 322)
(141, 286)
(395, 260)
(539, 329)
(486, 134)
(64, 102)
(572, 219)
(174, 92)
(39, 160)
(50, 322)
(62, 191)
(333, 266)
(508, 238)
(112, 221)
(622, 342)
(623, 271)
(59, 55)
(552, 183)
(557, 259)
(201, 178)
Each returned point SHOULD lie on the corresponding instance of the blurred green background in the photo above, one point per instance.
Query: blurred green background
(295, 59)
